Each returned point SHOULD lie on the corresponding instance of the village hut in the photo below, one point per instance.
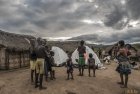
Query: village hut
(14, 50)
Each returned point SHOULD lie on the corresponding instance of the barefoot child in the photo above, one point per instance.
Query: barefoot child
(69, 65)
(52, 71)
(91, 64)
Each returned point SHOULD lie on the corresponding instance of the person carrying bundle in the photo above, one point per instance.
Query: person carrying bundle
(124, 67)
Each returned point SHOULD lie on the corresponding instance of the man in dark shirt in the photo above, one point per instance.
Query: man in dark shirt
(81, 50)
(41, 54)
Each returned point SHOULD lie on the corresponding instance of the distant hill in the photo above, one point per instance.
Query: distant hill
(137, 46)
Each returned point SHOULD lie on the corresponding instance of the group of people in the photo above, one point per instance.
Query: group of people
(42, 62)
(81, 62)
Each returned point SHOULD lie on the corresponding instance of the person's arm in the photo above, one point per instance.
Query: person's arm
(78, 48)
(53, 63)
(88, 62)
(67, 63)
(94, 61)
(118, 53)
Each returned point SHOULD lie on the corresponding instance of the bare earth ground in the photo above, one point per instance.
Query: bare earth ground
(18, 82)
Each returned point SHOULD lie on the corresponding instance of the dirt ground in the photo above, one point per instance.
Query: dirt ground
(105, 82)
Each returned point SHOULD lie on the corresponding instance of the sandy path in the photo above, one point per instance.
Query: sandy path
(18, 82)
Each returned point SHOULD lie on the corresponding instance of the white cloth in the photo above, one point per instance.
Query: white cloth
(59, 55)
(75, 56)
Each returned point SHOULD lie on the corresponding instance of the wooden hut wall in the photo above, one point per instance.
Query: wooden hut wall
(14, 60)
(18, 60)
(22, 60)
(26, 59)
(2, 59)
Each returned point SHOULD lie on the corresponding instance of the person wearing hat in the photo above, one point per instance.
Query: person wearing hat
(81, 50)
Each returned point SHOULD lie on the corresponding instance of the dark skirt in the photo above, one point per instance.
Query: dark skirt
(124, 69)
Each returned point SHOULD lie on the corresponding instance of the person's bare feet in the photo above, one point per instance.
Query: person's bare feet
(67, 79)
(120, 83)
(72, 78)
(41, 88)
(123, 86)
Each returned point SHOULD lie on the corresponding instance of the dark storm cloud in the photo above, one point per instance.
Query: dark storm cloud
(57, 17)
(115, 19)
(130, 36)
(134, 8)
(129, 10)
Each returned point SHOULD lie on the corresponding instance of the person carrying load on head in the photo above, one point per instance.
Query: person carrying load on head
(81, 50)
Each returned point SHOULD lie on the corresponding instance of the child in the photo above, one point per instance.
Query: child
(69, 65)
(91, 64)
(47, 62)
(52, 71)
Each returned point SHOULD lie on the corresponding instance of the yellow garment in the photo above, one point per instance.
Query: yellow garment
(40, 66)
(32, 65)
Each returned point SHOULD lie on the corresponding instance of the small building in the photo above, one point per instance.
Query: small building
(14, 51)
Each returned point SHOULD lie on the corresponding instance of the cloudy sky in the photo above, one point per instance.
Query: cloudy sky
(97, 21)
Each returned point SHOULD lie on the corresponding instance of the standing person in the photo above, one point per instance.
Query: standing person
(124, 66)
(33, 59)
(52, 64)
(103, 53)
(91, 64)
(41, 54)
(69, 66)
(115, 50)
(47, 62)
(81, 61)
(100, 53)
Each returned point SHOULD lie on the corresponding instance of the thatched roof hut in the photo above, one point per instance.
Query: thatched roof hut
(14, 41)
(14, 50)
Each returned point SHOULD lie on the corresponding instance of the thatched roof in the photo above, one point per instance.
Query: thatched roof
(14, 41)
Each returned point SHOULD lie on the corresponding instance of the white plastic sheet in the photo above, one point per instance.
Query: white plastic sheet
(75, 56)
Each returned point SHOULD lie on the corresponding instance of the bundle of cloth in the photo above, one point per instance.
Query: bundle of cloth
(107, 59)
(135, 66)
